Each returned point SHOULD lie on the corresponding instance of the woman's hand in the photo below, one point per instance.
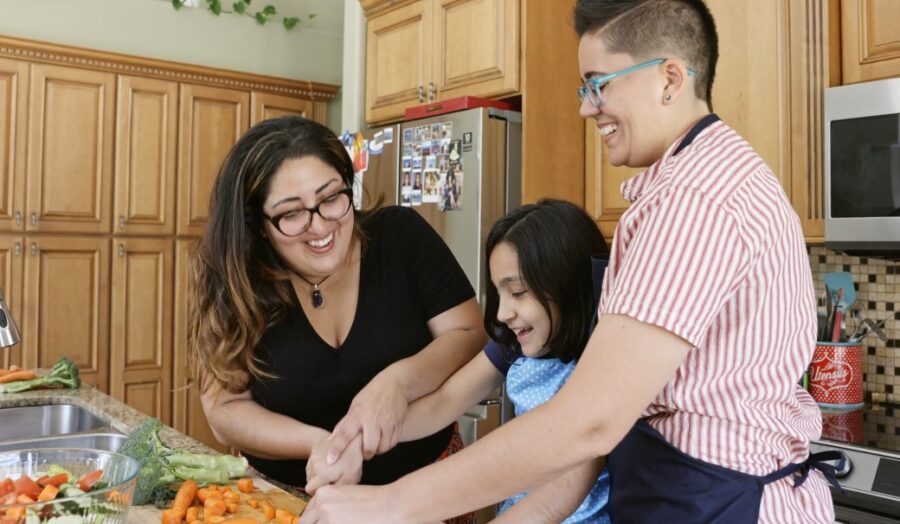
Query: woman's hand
(376, 412)
(338, 505)
(347, 470)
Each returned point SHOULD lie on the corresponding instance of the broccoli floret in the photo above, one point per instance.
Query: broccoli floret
(63, 374)
(162, 465)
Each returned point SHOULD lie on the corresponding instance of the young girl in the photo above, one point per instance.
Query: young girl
(541, 299)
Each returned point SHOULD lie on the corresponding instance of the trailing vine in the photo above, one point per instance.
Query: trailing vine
(242, 7)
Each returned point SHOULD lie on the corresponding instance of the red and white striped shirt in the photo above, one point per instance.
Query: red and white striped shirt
(712, 251)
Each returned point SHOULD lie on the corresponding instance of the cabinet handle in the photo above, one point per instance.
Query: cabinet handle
(431, 91)
(421, 91)
(33, 249)
(33, 218)
(18, 249)
(18, 217)
(121, 222)
(121, 250)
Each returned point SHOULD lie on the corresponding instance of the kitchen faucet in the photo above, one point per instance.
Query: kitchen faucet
(9, 334)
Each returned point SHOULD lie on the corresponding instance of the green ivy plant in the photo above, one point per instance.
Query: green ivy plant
(242, 7)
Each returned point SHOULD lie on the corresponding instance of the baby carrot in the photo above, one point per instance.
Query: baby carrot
(184, 497)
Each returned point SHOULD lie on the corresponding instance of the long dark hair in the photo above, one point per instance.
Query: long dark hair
(554, 241)
(238, 284)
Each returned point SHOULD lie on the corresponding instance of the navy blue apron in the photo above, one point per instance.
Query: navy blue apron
(653, 481)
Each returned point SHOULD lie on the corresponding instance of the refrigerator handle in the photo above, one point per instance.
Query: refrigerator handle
(421, 92)
(431, 91)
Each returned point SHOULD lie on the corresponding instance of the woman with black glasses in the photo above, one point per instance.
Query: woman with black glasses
(307, 312)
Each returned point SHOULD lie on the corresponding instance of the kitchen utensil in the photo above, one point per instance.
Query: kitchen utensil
(841, 280)
(109, 504)
(838, 316)
(876, 328)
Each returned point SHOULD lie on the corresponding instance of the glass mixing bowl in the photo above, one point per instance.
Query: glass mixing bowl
(107, 505)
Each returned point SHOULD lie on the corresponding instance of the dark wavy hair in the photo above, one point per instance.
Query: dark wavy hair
(554, 241)
(648, 29)
(238, 285)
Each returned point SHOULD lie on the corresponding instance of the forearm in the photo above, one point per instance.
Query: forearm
(425, 371)
(427, 416)
(554, 501)
(245, 425)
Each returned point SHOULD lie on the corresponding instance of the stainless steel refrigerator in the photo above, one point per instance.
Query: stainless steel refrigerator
(461, 171)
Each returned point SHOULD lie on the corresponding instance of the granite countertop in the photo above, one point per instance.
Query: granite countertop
(124, 418)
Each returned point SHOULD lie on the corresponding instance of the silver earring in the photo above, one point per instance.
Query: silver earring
(668, 98)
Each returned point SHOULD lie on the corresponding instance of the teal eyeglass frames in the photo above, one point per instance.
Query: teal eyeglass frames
(593, 87)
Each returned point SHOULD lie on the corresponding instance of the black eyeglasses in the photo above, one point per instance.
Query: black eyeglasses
(296, 221)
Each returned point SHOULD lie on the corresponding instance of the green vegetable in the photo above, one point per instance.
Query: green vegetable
(64, 373)
(162, 465)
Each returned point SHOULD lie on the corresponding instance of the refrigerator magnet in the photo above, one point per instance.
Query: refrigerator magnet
(389, 135)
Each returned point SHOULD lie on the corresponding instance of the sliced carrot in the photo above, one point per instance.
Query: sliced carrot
(284, 516)
(202, 493)
(231, 507)
(25, 499)
(231, 496)
(170, 516)
(215, 506)
(49, 493)
(245, 485)
(253, 503)
(216, 519)
(242, 520)
(268, 510)
(192, 514)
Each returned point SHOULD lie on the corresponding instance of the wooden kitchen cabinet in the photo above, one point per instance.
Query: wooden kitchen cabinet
(13, 120)
(66, 303)
(870, 40)
(188, 416)
(211, 120)
(769, 86)
(431, 50)
(146, 153)
(11, 289)
(264, 106)
(70, 150)
(141, 325)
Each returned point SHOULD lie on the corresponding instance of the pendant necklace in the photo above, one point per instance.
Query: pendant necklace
(317, 299)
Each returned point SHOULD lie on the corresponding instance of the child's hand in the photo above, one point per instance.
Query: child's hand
(347, 469)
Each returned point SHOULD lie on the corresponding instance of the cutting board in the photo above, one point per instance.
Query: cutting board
(263, 491)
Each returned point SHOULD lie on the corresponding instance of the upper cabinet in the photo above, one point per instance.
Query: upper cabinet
(264, 106)
(870, 40)
(430, 50)
(769, 85)
(13, 117)
(70, 150)
(212, 120)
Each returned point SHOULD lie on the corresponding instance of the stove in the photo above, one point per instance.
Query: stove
(869, 440)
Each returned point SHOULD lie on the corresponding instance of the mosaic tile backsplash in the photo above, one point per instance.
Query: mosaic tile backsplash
(877, 284)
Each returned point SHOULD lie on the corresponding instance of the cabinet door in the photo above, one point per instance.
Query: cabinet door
(11, 289)
(398, 60)
(211, 120)
(603, 200)
(13, 129)
(476, 48)
(70, 150)
(67, 304)
(188, 416)
(870, 39)
(141, 335)
(264, 106)
(146, 134)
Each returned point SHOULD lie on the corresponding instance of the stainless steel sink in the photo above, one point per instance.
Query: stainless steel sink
(103, 441)
(34, 422)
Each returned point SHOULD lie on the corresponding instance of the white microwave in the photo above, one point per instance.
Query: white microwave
(862, 166)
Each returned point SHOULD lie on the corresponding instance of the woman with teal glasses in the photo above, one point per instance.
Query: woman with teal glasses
(707, 317)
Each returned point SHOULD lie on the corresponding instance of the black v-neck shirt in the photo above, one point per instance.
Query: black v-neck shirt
(407, 276)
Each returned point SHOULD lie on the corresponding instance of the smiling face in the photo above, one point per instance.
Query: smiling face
(630, 117)
(518, 308)
(325, 245)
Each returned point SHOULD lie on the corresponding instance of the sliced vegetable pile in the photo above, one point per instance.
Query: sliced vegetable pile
(55, 484)
(63, 374)
(162, 465)
(213, 504)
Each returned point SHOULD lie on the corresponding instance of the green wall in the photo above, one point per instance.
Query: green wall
(152, 28)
